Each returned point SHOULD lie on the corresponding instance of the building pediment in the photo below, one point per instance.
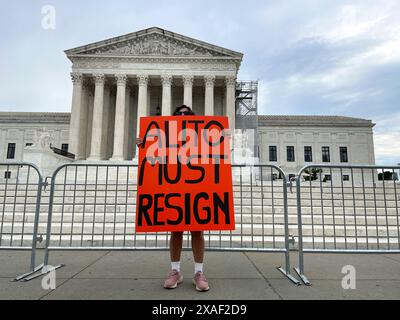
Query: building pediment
(154, 42)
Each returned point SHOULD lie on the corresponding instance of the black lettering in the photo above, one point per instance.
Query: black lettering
(141, 171)
(166, 127)
(216, 159)
(178, 209)
(178, 173)
(157, 210)
(152, 162)
(187, 208)
(167, 137)
(223, 205)
(206, 136)
(160, 174)
(149, 127)
(201, 195)
(183, 133)
(198, 168)
(216, 173)
(144, 209)
(196, 129)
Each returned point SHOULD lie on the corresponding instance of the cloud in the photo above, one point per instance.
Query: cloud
(387, 148)
(320, 57)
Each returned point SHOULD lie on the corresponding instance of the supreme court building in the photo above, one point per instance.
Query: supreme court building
(151, 72)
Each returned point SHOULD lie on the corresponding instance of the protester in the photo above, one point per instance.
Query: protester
(175, 276)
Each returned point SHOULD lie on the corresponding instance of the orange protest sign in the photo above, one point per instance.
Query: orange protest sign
(184, 175)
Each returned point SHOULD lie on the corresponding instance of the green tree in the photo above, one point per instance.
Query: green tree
(387, 175)
(311, 174)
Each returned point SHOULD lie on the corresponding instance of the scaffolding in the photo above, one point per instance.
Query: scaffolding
(246, 112)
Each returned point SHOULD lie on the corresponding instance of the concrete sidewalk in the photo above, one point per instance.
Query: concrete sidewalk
(139, 275)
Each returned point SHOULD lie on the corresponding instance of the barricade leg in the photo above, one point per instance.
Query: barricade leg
(286, 270)
(33, 268)
(43, 268)
(300, 269)
(19, 192)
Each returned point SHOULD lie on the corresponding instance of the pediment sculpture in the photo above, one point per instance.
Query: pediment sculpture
(155, 44)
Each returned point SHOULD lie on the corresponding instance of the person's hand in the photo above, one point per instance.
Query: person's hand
(139, 141)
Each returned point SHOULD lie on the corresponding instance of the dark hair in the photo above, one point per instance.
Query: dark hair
(178, 110)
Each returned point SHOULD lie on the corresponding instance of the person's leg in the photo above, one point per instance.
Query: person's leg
(198, 246)
(199, 279)
(175, 248)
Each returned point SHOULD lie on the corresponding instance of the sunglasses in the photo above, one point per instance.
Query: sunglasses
(184, 113)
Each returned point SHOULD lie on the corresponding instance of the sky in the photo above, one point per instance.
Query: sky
(310, 57)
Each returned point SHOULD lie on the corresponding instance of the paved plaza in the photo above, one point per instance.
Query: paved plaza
(232, 275)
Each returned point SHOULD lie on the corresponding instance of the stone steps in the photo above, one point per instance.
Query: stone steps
(259, 216)
(266, 222)
(266, 186)
(246, 198)
(141, 241)
(110, 228)
(318, 233)
(111, 209)
(215, 242)
(276, 193)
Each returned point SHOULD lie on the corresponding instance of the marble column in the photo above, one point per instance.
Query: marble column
(74, 127)
(128, 116)
(105, 138)
(97, 123)
(83, 122)
(209, 82)
(148, 98)
(188, 91)
(143, 81)
(120, 110)
(230, 110)
(166, 81)
(89, 123)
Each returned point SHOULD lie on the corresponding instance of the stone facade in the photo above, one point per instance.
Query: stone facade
(23, 129)
(119, 80)
(280, 131)
(353, 135)
(149, 72)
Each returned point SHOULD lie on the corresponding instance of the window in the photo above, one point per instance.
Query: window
(290, 153)
(11, 151)
(64, 147)
(7, 174)
(307, 154)
(29, 144)
(327, 177)
(272, 153)
(326, 157)
(346, 177)
(291, 175)
(343, 154)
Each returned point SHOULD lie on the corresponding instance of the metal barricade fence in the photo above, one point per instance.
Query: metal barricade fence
(92, 207)
(350, 208)
(21, 186)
